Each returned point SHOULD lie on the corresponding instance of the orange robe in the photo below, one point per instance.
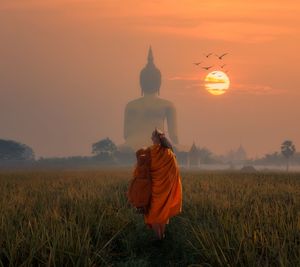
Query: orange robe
(166, 198)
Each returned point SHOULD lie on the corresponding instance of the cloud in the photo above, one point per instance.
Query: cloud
(256, 89)
(189, 82)
(184, 78)
(231, 21)
(228, 31)
(185, 84)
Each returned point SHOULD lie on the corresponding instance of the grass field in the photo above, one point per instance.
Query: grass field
(81, 218)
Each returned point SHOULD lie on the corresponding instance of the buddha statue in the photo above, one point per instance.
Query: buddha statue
(149, 111)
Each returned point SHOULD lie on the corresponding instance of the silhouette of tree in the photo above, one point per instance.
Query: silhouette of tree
(125, 155)
(288, 150)
(12, 150)
(104, 149)
(273, 158)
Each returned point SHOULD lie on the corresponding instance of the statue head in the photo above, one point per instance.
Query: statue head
(150, 77)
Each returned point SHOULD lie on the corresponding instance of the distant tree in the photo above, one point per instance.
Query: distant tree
(12, 150)
(125, 156)
(296, 158)
(288, 150)
(104, 149)
(273, 158)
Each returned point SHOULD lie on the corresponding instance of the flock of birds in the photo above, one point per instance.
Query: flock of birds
(220, 57)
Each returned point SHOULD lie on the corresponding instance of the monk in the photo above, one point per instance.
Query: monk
(140, 188)
(166, 198)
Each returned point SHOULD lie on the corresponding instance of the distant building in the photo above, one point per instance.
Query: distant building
(241, 154)
(193, 156)
(237, 156)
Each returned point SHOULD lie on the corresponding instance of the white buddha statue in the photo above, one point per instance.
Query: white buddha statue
(149, 111)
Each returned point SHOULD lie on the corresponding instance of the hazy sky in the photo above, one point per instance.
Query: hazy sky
(68, 68)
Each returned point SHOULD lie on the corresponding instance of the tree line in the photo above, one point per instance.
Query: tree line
(106, 152)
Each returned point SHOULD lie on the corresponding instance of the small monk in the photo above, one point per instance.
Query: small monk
(140, 188)
(166, 197)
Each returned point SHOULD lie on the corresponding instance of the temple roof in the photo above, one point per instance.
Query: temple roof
(193, 148)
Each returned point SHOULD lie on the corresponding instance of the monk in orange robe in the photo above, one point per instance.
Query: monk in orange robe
(166, 198)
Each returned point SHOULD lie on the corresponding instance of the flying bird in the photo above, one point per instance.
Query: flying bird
(207, 68)
(222, 66)
(221, 56)
(208, 55)
(197, 63)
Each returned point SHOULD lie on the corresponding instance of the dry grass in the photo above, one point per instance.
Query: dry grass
(81, 218)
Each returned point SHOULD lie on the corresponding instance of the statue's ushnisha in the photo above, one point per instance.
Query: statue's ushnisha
(148, 112)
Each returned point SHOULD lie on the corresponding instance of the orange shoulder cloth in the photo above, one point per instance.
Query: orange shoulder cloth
(166, 199)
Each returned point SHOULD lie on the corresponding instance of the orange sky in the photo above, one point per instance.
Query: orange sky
(69, 67)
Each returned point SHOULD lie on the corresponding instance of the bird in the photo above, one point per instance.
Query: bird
(207, 68)
(222, 66)
(208, 55)
(197, 63)
(221, 56)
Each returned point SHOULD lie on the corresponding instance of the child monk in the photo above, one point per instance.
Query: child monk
(166, 197)
(140, 188)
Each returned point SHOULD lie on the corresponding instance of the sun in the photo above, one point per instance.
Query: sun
(217, 82)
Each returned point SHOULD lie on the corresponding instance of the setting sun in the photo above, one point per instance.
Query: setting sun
(217, 82)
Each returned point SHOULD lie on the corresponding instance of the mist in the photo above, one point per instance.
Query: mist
(68, 69)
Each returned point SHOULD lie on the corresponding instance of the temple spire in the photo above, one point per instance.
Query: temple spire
(150, 55)
(150, 76)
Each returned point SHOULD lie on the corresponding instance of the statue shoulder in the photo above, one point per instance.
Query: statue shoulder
(167, 103)
(170, 107)
(133, 103)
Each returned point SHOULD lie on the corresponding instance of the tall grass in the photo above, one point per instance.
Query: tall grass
(81, 218)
